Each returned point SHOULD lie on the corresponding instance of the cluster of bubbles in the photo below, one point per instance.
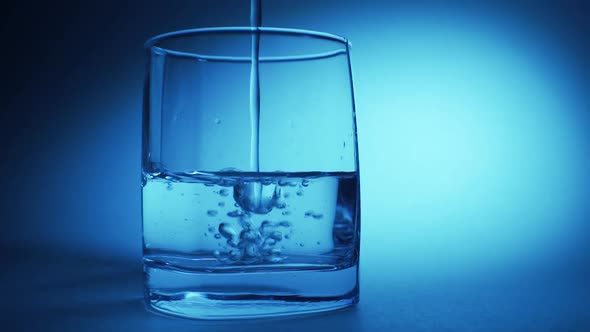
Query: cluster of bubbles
(251, 244)
(244, 242)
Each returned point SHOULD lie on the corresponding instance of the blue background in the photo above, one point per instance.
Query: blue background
(473, 122)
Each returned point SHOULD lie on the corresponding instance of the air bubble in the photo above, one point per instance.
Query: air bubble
(286, 213)
(274, 259)
(217, 121)
(226, 231)
(235, 254)
(234, 214)
(217, 236)
(305, 182)
(216, 253)
(277, 235)
(251, 250)
(270, 242)
(224, 192)
(257, 198)
(265, 227)
(248, 235)
(212, 213)
(245, 221)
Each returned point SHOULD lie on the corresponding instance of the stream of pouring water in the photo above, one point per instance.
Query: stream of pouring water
(254, 196)
(255, 22)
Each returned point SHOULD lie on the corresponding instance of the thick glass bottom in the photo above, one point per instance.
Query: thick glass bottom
(263, 292)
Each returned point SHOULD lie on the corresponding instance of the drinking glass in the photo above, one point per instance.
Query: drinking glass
(247, 211)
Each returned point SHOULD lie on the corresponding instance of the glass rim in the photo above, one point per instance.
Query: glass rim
(151, 43)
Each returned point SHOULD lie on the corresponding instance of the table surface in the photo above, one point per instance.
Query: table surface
(77, 293)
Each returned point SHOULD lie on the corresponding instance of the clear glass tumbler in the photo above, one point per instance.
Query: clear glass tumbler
(249, 215)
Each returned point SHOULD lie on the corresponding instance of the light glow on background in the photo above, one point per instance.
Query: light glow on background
(473, 132)
(471, 146)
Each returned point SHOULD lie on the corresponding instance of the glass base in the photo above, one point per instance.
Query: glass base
(210, 295)
(209, 306)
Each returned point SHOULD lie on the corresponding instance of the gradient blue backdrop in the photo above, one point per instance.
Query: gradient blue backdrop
(473, 122)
